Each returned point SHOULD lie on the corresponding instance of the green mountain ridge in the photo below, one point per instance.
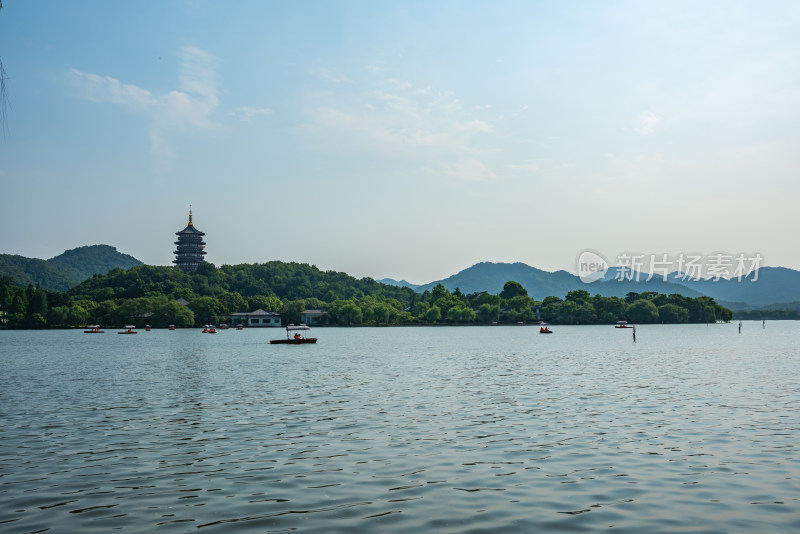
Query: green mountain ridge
(66, 270)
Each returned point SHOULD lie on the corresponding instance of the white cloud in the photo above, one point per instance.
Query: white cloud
(198, 74)
(107, 89)
(432, 128)
(399, 84)
(472, 170)
(190, 107)
(246, 113)
(330, 76)
(647, 123)
(525, 167)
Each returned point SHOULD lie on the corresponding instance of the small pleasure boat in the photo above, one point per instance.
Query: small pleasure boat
(622, 324)
(295, 335)
(545, 329)
(93, 329)
(130, 330)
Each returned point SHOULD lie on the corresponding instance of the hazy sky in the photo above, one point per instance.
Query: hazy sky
(402, 139)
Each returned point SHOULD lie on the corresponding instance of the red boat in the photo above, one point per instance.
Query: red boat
(295, 335)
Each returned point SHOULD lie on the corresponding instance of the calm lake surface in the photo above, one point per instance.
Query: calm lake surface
(693, 428)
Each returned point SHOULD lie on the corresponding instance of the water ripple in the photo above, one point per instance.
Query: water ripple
(446, 429)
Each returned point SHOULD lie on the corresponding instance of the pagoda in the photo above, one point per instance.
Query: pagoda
(190, 247)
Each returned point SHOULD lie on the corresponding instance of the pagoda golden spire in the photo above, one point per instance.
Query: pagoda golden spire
(190, 215)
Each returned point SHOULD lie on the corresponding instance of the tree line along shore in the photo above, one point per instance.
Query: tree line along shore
(162, 296)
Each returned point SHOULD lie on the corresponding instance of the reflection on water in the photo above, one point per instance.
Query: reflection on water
(692, 428)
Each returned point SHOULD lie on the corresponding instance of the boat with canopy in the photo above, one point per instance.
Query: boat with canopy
(295, 335)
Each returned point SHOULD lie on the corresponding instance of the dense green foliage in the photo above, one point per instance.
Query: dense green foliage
(150, 295)
(33, 307)
(65, 270)
(232, 284)
(642, 308)
(24, 271)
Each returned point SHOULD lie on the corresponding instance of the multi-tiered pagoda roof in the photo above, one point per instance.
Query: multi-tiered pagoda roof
(190, 247)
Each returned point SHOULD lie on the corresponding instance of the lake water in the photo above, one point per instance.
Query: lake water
(693, 428)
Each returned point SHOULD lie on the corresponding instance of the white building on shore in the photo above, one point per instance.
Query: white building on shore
(259, 318)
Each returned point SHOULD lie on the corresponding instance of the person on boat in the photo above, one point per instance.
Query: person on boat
(297, 336)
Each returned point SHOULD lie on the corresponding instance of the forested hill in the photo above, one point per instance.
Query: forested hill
(230, 283)
(65, 270)
(161, 296)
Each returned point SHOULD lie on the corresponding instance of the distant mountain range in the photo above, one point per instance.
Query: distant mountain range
(401, 283)
(774, 286)
(65, 270)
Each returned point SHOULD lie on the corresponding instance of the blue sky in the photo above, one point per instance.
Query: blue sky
(402, 139)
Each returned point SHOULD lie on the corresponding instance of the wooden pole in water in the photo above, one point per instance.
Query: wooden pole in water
(634, 333)
(740, 327)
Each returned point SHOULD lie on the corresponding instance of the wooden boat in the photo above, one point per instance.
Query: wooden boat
(172, 327)
(130, 330)
(147, 327)
(622, 324)
(209, 329)
(93, 329)
(295, 335)
(545, 329)
(239, 327)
